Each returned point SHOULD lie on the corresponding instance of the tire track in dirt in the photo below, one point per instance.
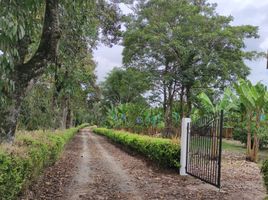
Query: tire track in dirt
(99, 175)
(124, 183)
(79, 184)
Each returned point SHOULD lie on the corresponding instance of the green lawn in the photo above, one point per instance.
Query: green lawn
(235, 146)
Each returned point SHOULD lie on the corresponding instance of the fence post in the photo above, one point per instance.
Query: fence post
(184, 146)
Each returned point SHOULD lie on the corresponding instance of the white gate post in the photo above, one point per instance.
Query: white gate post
(184, 123)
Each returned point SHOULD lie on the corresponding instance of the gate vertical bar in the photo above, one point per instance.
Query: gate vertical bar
(187, 147)
(220, 149)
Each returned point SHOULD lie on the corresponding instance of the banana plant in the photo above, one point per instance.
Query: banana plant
(253, 100)
(112, 117)
(152, 118)
(227, 103)
(176, 118)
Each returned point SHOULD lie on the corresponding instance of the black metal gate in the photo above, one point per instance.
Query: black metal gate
(204, 146)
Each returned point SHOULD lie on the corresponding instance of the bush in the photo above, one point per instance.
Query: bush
(162, 151)
(264, 170)
(23, 161)
(240, 134)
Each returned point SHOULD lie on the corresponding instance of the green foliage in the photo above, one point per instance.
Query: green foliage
(125, 86)
(263, 137)
(30, 154)
(136, 117)
(162, 151)
(240, 134)
(45, 33)
(264, 170)
(185, 46)
(36, 111)
(70, 87)
(250, 96)
(227, 103)
(206, 103)
(248, 105)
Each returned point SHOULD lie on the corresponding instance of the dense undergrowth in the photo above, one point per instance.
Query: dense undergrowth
(22, 162)
(165, 152)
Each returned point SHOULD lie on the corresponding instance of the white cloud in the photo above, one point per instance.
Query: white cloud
(264, 45)
(259, 72)
(228, 7)
(107, 58)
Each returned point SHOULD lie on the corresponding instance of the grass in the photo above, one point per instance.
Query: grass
(229, 145)
(236, 146)
(233, 146)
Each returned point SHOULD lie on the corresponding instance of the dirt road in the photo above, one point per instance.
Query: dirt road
(93, 168)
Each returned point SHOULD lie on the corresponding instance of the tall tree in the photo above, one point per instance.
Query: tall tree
(125, 86)
(29, 42)
(25, 70)
(185, 44)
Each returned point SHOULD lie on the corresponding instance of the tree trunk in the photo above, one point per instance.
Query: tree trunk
(182, 103)
(69, 117)
(255, 148)
(9, 116)
(168, 120)
(249, 137)
(25, 72)
(65, 108)
(189, 102)
(168, 111)
(165, 98)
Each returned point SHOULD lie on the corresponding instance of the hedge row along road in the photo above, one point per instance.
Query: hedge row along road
(92, 167)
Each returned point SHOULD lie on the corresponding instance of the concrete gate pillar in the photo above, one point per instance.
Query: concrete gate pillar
(185, 122)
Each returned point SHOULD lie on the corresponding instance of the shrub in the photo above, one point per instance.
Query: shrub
(240, 134)
(162, 151)
(23, 161)
(264, 170)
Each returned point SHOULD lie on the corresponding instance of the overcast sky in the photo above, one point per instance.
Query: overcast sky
(252, 12)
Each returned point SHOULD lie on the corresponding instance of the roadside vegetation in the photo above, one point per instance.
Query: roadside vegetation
(180, 59)
(24, 161)
(164, 152)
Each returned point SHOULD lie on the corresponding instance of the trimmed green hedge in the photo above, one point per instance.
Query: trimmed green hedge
(31, 152)
(162, 151)
(264, 170)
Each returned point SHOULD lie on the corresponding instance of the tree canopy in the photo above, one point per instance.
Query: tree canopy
(186, 45)
(173, 51)
(43, 33)
(125, 86)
